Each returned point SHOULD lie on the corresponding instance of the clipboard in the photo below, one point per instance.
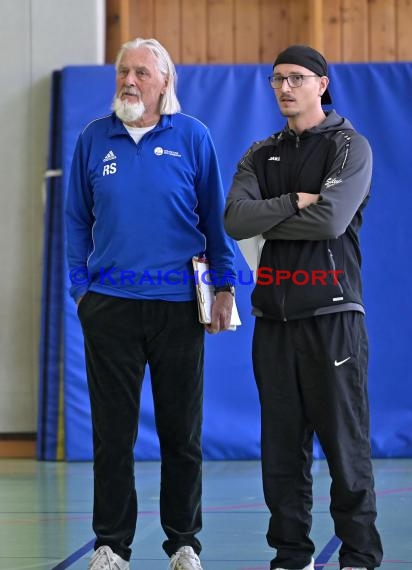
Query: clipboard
(205, 294)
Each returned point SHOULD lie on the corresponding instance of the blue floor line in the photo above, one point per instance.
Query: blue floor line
(327, 553)
(75, 556)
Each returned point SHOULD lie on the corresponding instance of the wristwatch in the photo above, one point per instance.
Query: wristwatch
(225, 289)
(294, 198)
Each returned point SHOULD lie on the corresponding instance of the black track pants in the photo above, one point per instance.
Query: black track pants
(121, 336)
(312, 377)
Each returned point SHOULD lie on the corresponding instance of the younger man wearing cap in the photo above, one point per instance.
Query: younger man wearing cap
(304, 189)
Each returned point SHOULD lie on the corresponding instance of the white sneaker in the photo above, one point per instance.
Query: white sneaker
(310, 566)
(185, 559)
(105, 559)
(353, 568)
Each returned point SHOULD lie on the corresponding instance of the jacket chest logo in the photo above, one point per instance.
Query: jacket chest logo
(159, 151)
(109, 156)
(109, 167)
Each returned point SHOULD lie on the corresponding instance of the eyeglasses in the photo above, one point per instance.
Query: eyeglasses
(294, 80)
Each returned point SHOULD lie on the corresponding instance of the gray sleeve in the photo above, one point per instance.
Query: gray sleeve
(246, 213)
(343, 190)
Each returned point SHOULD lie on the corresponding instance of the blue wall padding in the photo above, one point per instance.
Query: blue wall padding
(239, 107)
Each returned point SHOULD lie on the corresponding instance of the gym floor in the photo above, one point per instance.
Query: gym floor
(45, 516)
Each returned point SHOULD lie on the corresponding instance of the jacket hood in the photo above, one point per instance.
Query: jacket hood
(333, 122)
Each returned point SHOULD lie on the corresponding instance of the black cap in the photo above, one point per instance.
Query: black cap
(305, 56)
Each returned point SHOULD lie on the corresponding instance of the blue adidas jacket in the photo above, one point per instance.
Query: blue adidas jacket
(137, 214)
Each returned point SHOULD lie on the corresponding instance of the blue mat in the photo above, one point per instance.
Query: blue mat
(235, 101)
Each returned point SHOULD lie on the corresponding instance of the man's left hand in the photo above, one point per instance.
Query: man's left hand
(221, 313)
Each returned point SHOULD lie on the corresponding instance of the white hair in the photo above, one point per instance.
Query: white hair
(169, 104)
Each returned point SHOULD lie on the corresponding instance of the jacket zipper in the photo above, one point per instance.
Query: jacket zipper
(147, 135)
(142, 141)
(283, 309)
(332, 262)
(284, 318)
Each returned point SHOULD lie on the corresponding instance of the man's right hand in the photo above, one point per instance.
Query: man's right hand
(306, 199)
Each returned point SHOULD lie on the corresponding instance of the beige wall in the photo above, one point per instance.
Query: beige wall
(36, 37)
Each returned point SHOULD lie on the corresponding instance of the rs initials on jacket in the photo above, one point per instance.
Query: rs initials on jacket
(109, 169)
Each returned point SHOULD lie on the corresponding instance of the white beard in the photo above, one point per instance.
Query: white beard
(126, 111)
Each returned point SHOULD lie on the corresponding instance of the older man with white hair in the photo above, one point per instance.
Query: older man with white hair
(145, 197)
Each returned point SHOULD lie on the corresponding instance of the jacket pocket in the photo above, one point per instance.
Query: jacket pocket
(334, 272)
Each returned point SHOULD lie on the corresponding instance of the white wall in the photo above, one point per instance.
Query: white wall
(36, 38)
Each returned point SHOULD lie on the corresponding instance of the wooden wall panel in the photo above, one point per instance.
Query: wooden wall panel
(167, 18)
(315, 10)
(247, 32)
(254, 31)
(299, 24)
(193, 31)
(332, 30)
(142, 19)
(382, 43)
(355, 30)
(220, 31)
(274, 28)
(113, 29)
(403, 30)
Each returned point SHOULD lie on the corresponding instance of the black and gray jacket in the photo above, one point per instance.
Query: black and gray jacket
(331, 159)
